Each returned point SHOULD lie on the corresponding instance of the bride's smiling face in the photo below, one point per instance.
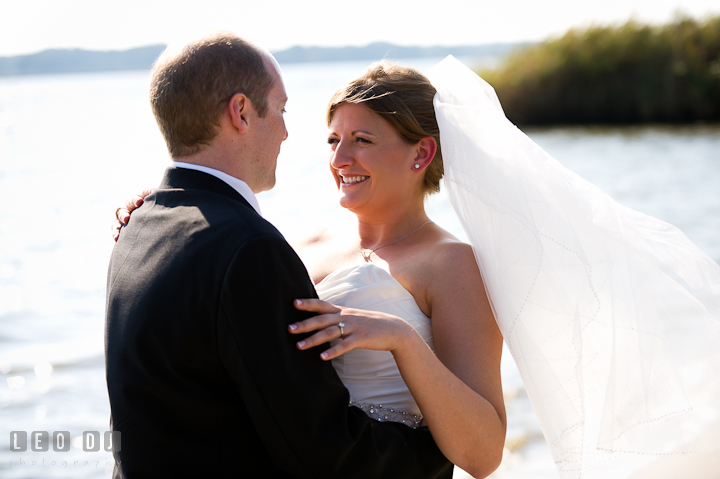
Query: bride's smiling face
(370, 162)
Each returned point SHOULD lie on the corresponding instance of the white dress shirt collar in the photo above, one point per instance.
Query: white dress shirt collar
(237, 184)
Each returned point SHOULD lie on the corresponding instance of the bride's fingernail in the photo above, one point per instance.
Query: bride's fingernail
(292, 327)
(301, 344)
(298, 302)
(324, 355)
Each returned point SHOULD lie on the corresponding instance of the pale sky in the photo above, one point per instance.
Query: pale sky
(28, 26)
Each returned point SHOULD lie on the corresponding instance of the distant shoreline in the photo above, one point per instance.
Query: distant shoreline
(142, 58)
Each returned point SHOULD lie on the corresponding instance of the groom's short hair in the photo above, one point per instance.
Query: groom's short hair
(190, 87)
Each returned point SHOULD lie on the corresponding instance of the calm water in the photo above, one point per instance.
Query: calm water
(73, 147)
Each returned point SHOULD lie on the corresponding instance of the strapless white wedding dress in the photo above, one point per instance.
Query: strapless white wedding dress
(372, 377)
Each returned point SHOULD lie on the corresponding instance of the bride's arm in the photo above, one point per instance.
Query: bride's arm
(458, 391)
(469, 416)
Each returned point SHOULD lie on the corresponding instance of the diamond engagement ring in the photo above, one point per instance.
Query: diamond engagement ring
(342, 331)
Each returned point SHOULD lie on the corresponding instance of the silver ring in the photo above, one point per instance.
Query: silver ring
(342, 331)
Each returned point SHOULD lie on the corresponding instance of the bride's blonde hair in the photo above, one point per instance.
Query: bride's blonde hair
(404, 98)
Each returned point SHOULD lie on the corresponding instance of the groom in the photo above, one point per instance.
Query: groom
(204, 379)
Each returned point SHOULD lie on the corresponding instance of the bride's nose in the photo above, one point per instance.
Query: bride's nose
(341, 157)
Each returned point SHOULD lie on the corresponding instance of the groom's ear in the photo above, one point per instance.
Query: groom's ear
(238, 110)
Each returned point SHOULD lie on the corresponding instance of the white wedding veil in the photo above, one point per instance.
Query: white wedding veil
(613, 317)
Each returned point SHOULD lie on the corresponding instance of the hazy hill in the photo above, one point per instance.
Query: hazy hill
(378, 51)
(77, 60)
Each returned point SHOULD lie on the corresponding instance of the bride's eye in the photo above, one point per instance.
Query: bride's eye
(362, 140)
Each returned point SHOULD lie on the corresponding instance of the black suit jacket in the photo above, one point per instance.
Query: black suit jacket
(204, 379)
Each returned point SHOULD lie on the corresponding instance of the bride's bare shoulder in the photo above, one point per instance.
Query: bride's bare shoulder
(442, 258)
(450, 262)
(322, 251)
(453, 250)
(318, 237)
(455, 287)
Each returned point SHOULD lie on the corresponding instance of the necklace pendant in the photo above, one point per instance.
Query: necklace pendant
(366, 256)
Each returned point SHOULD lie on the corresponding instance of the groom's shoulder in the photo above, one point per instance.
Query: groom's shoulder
(210, 213)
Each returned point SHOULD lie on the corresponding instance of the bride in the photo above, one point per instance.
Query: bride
(612, 316)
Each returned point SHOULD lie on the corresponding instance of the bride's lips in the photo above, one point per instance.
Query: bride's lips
(352, 180)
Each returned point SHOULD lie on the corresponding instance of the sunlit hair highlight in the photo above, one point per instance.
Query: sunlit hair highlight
(404, 98)
(191, 86)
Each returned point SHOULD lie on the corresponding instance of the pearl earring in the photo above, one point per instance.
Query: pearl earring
(417, 166)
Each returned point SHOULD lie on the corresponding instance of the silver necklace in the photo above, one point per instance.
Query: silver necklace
(366, 255)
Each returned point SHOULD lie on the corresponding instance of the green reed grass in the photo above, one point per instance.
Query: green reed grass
(625, 74)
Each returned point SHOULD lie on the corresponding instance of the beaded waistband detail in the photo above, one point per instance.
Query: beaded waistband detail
(383, 413)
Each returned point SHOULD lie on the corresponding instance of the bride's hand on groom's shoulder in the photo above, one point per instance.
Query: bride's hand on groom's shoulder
(122, 214)
(356, 328)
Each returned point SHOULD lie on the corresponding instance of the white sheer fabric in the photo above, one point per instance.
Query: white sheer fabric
(613, 317)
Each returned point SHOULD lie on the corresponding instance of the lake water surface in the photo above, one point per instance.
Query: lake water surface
(73, 147)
